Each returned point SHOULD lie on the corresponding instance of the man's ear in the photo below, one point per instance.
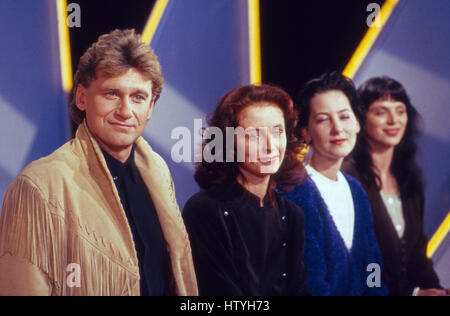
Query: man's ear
(80, 98)
(306, 136)
(150, 110)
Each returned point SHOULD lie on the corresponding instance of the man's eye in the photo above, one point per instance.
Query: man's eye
(139, 97)
(345, 117)
(111, 94)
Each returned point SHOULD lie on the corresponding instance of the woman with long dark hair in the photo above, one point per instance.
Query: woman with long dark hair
(384, 162)
(246, 238)
(341, 253)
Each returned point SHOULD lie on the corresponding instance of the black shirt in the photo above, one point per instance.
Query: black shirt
(240, 248)
(153, 258)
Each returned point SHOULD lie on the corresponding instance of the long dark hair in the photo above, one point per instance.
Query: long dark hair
(403, 166)
(291, 172)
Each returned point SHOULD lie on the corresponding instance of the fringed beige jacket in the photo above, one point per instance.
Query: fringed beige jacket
(64, 209)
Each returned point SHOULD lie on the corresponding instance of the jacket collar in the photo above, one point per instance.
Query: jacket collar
(92, 154)
(157, 178)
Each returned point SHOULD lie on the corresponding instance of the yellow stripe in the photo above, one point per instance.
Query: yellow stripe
(64, 46)
(254, 34)
(438, 236)
(153, 20)
(369, 38)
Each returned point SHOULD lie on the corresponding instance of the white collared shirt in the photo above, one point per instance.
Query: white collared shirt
(338, 198)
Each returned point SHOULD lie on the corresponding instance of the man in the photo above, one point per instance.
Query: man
(98, 216)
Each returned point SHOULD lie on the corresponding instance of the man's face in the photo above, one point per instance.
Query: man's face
(117, 110)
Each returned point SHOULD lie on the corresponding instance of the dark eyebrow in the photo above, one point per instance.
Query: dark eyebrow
(385, 108)
(108, 89)
(324, 113)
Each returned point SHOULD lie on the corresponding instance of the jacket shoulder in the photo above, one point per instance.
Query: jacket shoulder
(303, 194)
(60, 164)
(203, 203)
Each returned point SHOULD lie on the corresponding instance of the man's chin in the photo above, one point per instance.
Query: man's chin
(118, 143)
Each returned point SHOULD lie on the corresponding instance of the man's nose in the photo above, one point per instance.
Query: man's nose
(124, 109)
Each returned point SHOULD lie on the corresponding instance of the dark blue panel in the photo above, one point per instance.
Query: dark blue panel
(5, 181)
(203, 49)
(34, 118)
(421, 28)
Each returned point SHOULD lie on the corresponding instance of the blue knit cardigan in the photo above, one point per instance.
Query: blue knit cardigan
(333, 270)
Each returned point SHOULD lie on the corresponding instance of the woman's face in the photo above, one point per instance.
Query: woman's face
(332, 126)
(263, 144)
(386, 121)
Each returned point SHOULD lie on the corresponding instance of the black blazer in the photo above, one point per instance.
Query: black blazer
(406, 265)
(240, 248)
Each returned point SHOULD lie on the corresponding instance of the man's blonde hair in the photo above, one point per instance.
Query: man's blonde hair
(113, 54)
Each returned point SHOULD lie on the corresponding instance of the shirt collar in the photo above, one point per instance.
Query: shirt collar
(236, 192)
(119, 169)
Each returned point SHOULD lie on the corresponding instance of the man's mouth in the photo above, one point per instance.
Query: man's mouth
(121, 125)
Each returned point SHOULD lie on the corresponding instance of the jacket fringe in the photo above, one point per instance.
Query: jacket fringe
(39, 231)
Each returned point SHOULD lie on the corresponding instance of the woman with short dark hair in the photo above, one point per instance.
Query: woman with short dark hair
(246, 238)
(384, 162)
(341, 252)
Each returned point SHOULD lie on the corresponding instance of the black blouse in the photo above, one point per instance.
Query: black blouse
(405, 261)
(241, 248)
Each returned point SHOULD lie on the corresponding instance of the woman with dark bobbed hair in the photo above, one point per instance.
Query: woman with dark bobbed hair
(341, 253)
(246, 238)
(384, 162)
